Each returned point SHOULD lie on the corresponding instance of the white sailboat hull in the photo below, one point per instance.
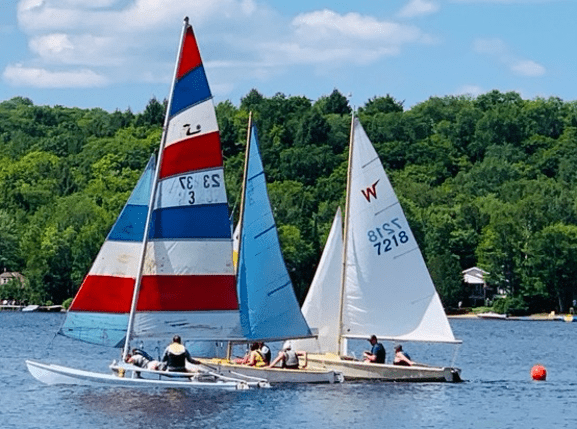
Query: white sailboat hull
(357, 370)
(56, 374)
(317, 375)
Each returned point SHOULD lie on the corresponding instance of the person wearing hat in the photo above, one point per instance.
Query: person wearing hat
(377, 353)
(402, 358)
(289, 358)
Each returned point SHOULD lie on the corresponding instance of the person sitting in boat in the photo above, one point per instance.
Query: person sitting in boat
(289, 358)
(176, 355)
(255, 357)
(377, 353)
(142, 359)
(265, 352)
(402, 358)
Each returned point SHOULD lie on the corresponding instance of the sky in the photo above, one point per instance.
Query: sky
(118, 54)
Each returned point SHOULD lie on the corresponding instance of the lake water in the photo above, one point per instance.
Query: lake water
(496, 358)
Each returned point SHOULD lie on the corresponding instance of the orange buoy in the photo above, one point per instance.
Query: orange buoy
(538, 372)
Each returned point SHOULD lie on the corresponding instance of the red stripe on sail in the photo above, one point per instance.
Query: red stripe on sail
(104, 293)
(192, 154)
(190, 56)
(109, 294)
(187, 293)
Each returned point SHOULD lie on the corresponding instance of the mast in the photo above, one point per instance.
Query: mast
(138, 279)
(243, 189)
(345, 237)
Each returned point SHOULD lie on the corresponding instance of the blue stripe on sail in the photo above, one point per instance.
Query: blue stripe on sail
(207, 221)
(190, 90)
(97, 328)
(130, 224)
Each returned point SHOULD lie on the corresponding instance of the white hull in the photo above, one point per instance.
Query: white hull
(56, 374)
(275, 375)
(357, 370)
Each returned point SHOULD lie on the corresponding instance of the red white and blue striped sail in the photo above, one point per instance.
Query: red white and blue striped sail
(185, 279)
(99, 312)
(188, 280)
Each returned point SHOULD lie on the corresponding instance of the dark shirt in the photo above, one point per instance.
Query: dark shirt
(379, 351)
(176, 356)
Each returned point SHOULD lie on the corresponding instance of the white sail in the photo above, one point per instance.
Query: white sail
(387, 290)
(321, 306)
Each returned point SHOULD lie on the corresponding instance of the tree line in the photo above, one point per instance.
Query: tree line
(484, 181)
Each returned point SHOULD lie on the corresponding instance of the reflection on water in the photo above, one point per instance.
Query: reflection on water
(496, 358)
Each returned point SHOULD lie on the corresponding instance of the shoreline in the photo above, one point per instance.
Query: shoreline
(548, 317)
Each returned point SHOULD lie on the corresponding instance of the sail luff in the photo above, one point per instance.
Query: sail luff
(345, 236)
(138, 280)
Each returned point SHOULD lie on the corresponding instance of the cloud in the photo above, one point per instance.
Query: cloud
(496, 48)
(417, 8)
(326, 36)
(136, 40)
(18, 75)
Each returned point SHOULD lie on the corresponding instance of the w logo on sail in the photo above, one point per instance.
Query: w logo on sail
(371, 191)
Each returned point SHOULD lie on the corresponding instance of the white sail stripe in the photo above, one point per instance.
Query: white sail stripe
(191, 325)
(117, 258)
(198, 188)
(171, 257)
(197, 120)
(165, 258)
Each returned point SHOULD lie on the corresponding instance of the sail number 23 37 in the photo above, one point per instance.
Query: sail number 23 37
(188, 184)
(388, 236)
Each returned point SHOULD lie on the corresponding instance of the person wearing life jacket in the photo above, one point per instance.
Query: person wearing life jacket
(289, 358)
(176, 355)
(142, 359)
(256, 358)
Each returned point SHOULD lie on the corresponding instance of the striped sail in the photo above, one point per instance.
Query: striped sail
(268, 307)
(188, 280)
(99, 312)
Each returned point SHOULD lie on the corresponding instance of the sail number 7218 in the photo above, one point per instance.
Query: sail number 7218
(388, 236)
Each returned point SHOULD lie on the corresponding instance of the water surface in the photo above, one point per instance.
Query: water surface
(496, 358)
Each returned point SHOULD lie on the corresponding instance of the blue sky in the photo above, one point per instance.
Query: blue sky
(117, 54)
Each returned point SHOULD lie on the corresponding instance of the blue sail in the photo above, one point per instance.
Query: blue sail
(269, 309)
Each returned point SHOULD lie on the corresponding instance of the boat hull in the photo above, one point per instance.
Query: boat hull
(357, 370)
(56, 374)
(316, 375)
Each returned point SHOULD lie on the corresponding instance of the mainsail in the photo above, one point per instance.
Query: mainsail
(388, 290)
(268, 306)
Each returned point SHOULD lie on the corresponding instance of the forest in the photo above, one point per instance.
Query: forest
(487, 181)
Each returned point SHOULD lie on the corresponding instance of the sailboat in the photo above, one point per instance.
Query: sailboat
(374, 281)
(269, 310)
(166, 266)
